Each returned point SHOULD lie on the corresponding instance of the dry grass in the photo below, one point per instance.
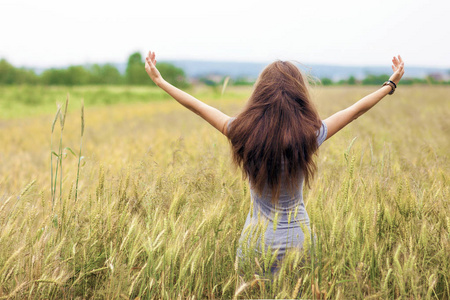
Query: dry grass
(160, 209)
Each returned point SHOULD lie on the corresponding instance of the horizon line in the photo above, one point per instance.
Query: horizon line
(306, 64)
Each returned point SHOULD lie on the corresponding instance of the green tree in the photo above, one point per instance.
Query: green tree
(326, 81)
(77, 75)
(53, 76)
(135, 72)
(136, 75)
(351, 80)
(73, 75)
(50, 76)
(172, 74)
(11, 75)
(6, 72)
(375, 79)
(104, 74)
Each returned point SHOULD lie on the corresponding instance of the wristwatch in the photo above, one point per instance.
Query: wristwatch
(392, 85)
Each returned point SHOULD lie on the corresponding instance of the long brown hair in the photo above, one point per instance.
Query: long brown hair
(277, 127)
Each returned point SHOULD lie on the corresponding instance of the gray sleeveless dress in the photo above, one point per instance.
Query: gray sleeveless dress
(279, 227)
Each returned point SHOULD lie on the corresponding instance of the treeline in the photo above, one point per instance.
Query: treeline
(108, 74)
(217, 81)
(380, 79)
(96, 74)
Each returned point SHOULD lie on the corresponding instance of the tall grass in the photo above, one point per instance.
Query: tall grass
(159, 215)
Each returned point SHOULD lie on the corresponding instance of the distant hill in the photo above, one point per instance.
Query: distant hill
(251, 70)
(197, 69)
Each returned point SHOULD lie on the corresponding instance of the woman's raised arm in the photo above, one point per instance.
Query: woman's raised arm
(340, 119)
(212, 115)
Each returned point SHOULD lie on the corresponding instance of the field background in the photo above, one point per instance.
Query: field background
(160, 208)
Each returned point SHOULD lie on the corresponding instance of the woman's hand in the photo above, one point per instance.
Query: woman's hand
(398, 68)
(150, 68)
(213, 116)
(342, 118)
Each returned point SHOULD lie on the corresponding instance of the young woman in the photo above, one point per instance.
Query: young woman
(274, 140)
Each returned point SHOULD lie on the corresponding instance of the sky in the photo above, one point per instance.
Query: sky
(52, 33)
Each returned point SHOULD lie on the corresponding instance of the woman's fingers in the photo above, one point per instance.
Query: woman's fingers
(398, 69)
(151, 56)
(148, 62)
(395, 61)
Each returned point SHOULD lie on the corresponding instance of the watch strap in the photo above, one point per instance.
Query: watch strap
(392, 85)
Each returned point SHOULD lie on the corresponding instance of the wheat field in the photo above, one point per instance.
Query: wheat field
(146, 204)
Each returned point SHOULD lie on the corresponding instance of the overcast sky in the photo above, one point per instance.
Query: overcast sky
(48, 33)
